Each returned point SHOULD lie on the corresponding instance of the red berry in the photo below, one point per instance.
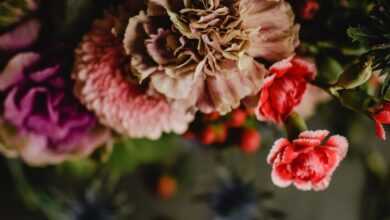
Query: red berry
(212, 116)
(310, 9)
(189, 135)
(250, 141)
(208, 136)
(166, 187)
(237, 118)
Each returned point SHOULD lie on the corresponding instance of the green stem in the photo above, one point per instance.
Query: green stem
(295, 125)
(30, 198)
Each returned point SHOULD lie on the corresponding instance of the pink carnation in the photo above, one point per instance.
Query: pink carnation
(309, 161)
(382, 117)
(105, 85)
(283, 90)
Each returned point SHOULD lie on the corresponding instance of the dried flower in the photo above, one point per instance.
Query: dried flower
(204, 52)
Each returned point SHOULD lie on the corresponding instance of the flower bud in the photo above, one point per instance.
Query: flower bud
(355, 75)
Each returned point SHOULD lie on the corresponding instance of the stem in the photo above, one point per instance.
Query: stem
(30, 198)
(294, 125)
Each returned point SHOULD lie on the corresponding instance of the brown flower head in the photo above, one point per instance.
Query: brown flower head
(205, 51)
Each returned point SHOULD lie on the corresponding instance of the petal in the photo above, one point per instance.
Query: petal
(319, 134)
(281, 177)
(175, 88)
(21, 37)
(383, 117)
(380, 130)
(234, 82)
(277, 148)
(118, 102)
(13, 72)
(272, 32)
(339, 144)
(323, 184)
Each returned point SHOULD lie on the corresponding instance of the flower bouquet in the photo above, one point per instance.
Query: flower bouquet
(124, 83)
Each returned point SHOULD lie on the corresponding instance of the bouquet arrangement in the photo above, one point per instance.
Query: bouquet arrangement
(88, 80)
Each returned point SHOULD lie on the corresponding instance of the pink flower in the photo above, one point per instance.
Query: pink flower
(104, 84)
(382, 117)
(284, 89)
(309, 161)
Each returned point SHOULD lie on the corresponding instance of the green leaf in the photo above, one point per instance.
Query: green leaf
(13, 11)
(356, 74)
(128, 154)
(357, 100)
(329, 70)
(385, 91)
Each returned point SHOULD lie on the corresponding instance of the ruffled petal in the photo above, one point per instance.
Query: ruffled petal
(21, 37)
(273, 34)
(120, 103)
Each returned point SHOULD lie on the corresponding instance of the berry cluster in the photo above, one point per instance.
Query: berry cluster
(234, 129)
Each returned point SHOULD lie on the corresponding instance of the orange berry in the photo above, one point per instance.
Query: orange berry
(166, 187)
(250, 141)
(212, 116)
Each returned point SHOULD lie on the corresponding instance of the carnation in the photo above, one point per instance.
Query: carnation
(205, 52)
(284, 89)
(309, 161)
(41, 120)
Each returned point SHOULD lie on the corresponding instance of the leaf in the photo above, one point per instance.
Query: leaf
(329, 70)
(356, 74)
(13, 11)
(128, 154)
(357, 100)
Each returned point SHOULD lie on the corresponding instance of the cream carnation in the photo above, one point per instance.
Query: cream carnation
(205, 51)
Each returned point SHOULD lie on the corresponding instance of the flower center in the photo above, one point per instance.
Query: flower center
(212, 30)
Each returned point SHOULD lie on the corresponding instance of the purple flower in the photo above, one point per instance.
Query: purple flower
(37, 100)
(22, 27)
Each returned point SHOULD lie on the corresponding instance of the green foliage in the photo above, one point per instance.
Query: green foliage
(355, 74)
(128, 154)
(375, 35)
(70, 19)
(329, 70)
(12, 11)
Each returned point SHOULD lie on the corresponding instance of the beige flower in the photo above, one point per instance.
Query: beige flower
(206, 52)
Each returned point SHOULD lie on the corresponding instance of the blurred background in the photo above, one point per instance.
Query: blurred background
(176, 178)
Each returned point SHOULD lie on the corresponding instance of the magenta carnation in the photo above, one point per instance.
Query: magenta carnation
(51, 126)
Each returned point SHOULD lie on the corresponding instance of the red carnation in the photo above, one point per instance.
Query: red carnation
(309, 161)
(284, 88)
(382, 117)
